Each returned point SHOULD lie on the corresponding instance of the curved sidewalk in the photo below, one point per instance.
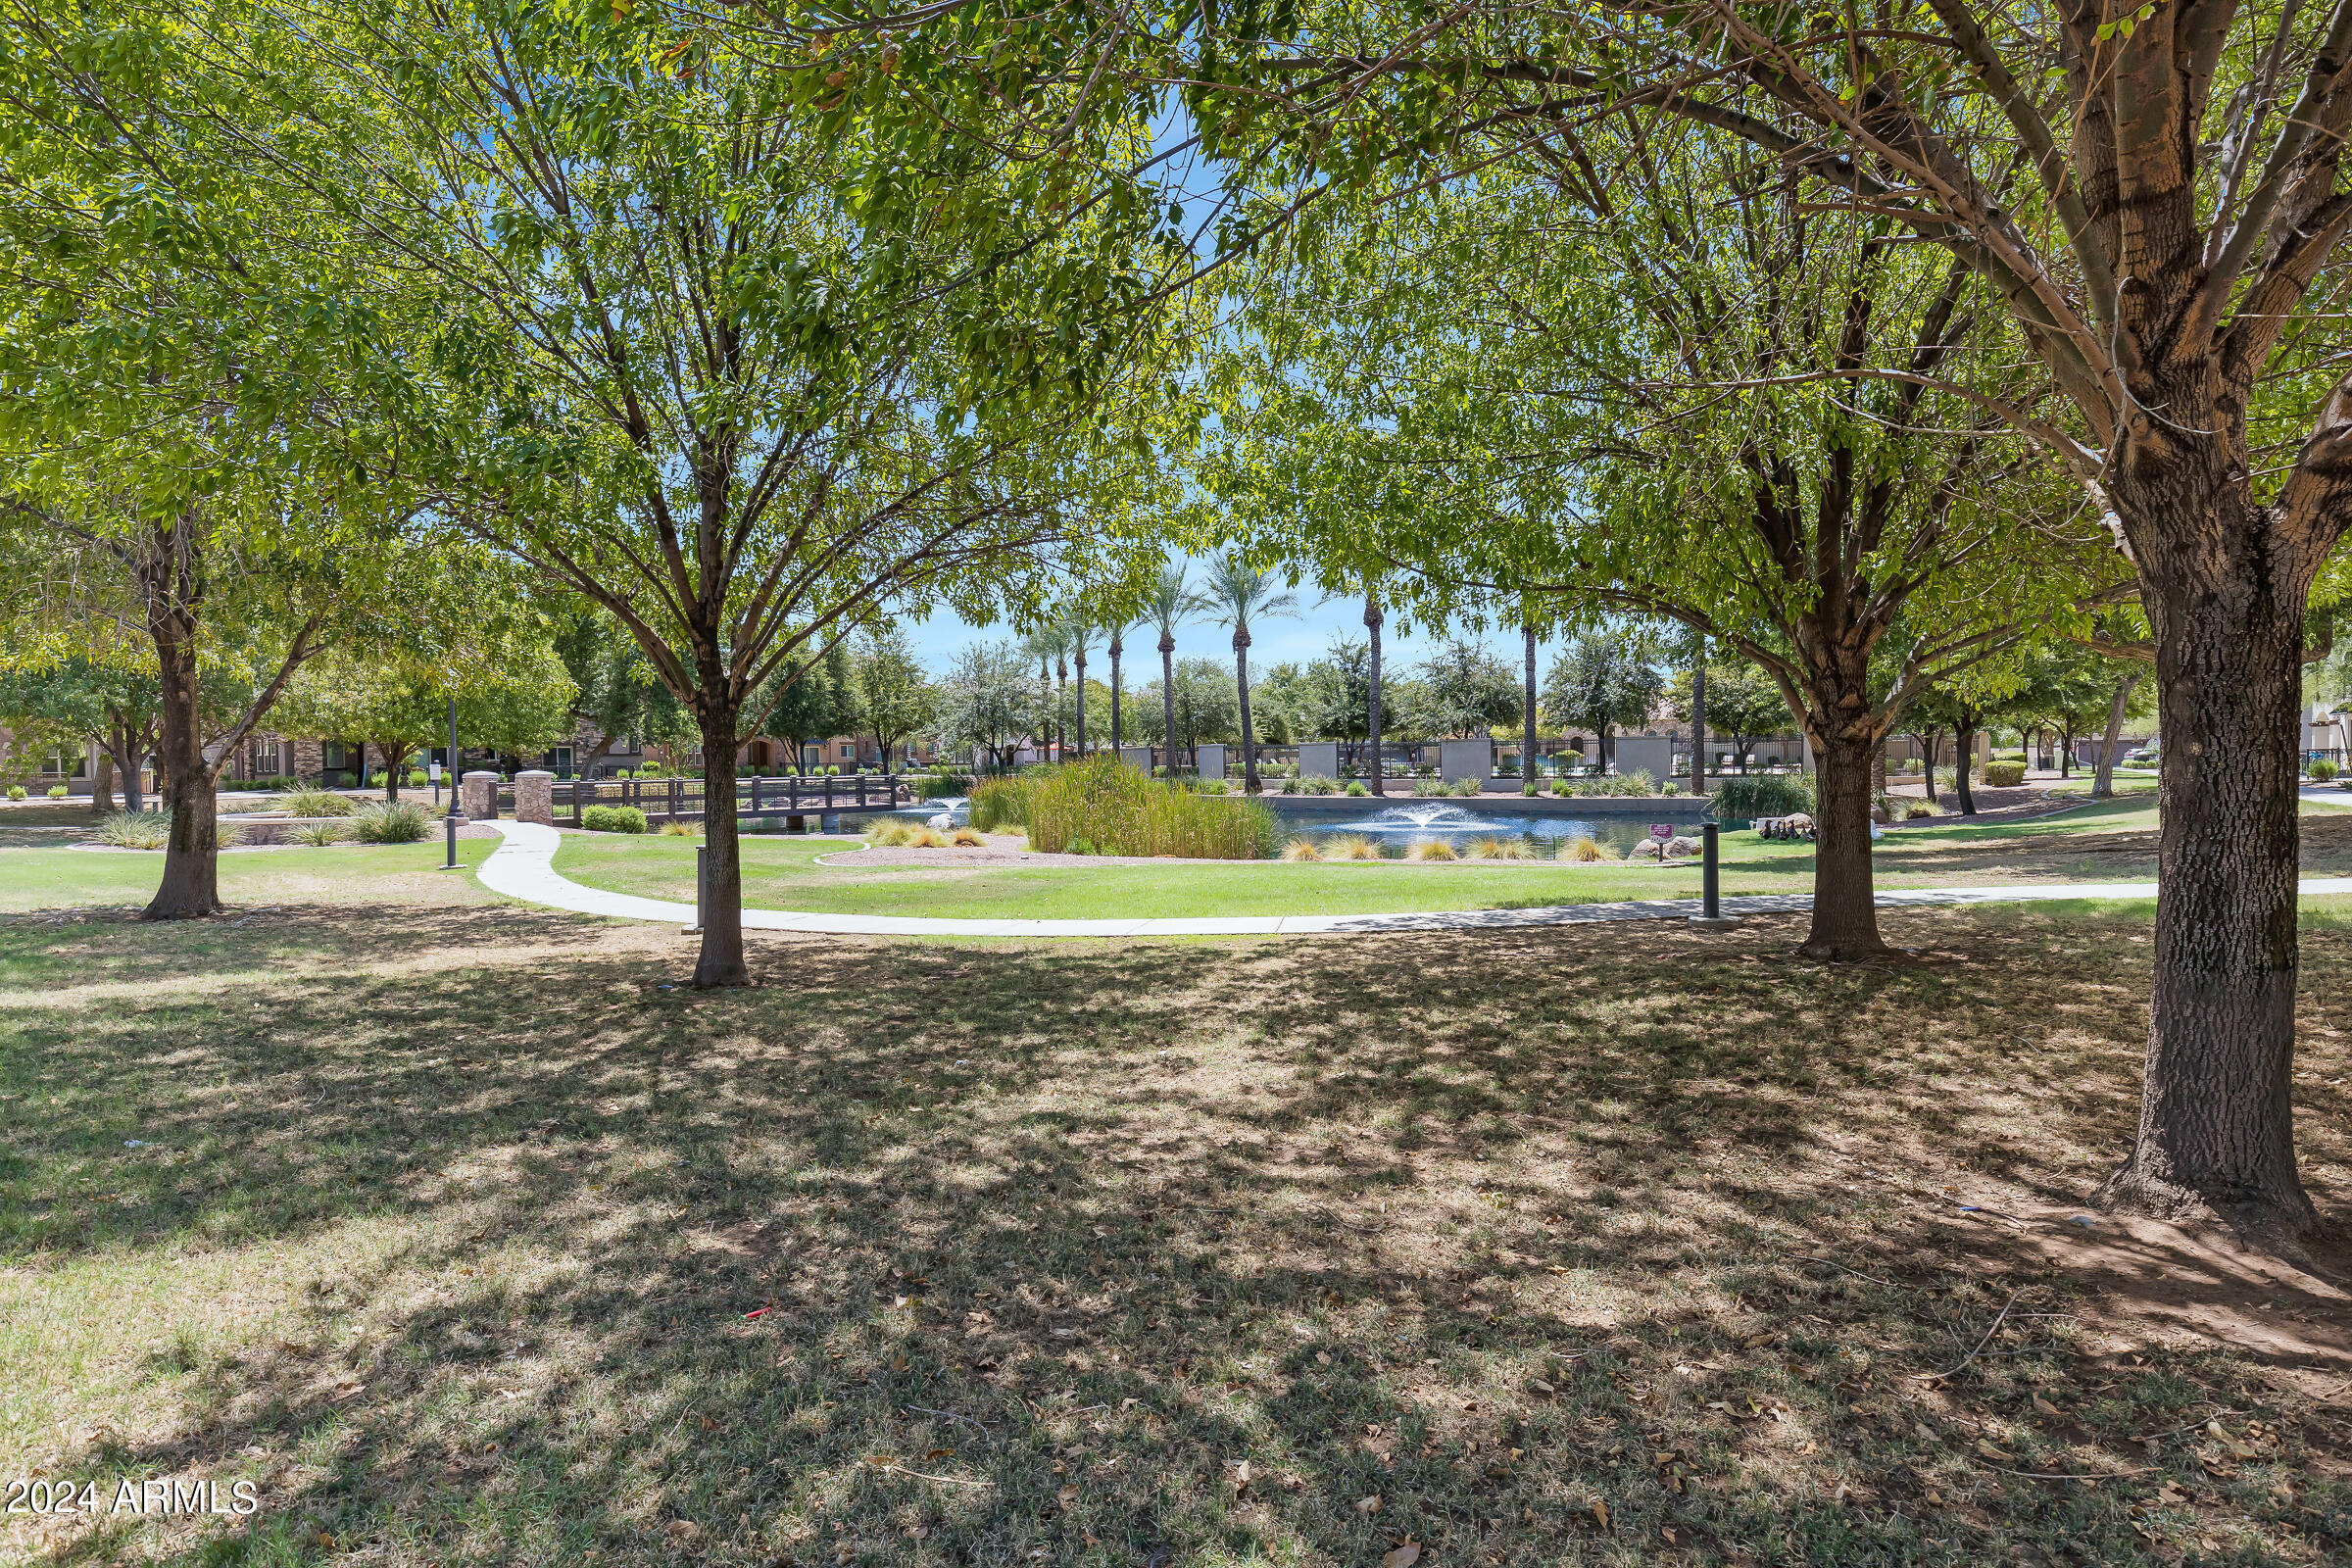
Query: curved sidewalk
(524, 868)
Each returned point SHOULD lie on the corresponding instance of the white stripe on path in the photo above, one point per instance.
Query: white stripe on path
(524, 868)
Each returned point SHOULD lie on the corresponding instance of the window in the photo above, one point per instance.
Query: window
(848, 748)
(65, 765)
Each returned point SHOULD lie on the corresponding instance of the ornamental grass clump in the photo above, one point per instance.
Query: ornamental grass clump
(314, 803)
(999, 802)
(1500, 848)
(1744, 799)
(1585, 849)
(926, 838)
(318, 835)
(1432, 849)
(1106, 803)
(965, 837)
(391, 822)
(1302, 850)
(135, 830)
(1352, 847)
(888, 834)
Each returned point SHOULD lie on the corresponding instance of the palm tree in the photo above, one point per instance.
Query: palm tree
(1044, 644)
(1170, 602)
(1233, 593)
(1116, 629)
(1081, 631)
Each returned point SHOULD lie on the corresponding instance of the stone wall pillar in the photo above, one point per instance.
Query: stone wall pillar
(536, 797)
(310, 761)
(479, 800)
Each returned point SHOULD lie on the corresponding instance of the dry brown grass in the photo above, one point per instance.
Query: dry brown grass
(470, 1244)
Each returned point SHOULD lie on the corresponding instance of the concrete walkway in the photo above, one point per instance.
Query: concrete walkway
(524, 868)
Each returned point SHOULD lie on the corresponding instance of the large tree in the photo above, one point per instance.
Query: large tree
(895, 696)
(1602, 683)
(719, 359)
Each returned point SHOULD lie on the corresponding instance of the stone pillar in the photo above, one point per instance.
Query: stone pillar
(309, 761)
(478, 801)
(536, 797)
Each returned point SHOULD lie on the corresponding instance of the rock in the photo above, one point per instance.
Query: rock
(942, 820)
(1647, 850)
(1679, 847)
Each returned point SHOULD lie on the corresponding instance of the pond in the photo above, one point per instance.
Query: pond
(1395, 828)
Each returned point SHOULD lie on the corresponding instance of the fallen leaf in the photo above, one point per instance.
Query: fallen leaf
(1067, 1495)
(2044, 1405)
(1600, 1511)
(1540, 1387)
(1369, 1505)
(1756, 1342)
(1241, 1475)
(1667, 1534)
(1404, 1556)
(1991, 1453)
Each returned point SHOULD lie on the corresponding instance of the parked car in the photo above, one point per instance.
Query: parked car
(2145, 756)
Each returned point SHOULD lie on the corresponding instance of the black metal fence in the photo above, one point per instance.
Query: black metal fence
(676, 800)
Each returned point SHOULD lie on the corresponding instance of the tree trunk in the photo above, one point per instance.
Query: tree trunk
(1241, 675)
(2065, 752)
(1878, 769)
(1116, 647)
(1698, 725)
(1527, 709)
(395, 752)
(2217, 1124)
(102, 784)
(1930, 743)
(1964, 742)
(2102, 771)
(1846, 914)
(1372, 625)
(720, 961)
(1167, 696)
(191, 885)
(1079, 664)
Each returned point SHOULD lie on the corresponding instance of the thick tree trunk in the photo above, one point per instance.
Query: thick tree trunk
(2217, 1124)
(1846, 914)
(1373, 619)
(1167, 697)
(395, 752)
(191, 885)
(102, 784)
(1116, 647)
(2102, 773)
(1241, 675)
(720, 962)
(1964, 742)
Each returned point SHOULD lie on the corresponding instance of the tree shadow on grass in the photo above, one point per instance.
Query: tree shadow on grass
(968, 1254)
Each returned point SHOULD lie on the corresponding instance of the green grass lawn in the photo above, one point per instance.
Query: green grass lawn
(433, 1219)
(49, 878)
(2107, 840)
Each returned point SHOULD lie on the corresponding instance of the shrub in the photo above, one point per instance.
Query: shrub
(1211, 786)
(1317, 784)
(1560, 786)
(311, 801)
(1500, 848)
(1079, 845)
(1531, 789)
(2321, 769)
(2004, 775)
(1352, 847)
(16, 791)
(1586, 848)
(1302, 850)
(889, 833)
(416, 778)
(675, 828)
(57, 791)
(613, 820)
(1467, 786)
(135, 830)
(926, 838)
(318, 835)
(964, 838)
(391, 822)
(1919, 809)
(1754, 795)
(999, 802)
(1358, 788)
(1104, 802)
(1431, 850)
(1427, 787)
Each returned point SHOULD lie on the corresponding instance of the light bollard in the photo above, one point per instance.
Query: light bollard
(702, 883)
(1711, 885)
(450, 825)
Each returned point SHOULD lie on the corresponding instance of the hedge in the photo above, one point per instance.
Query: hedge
(2004, 775)
(613, 820)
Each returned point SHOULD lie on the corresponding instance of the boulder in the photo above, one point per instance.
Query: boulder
(1679, 847)
(942, 821)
